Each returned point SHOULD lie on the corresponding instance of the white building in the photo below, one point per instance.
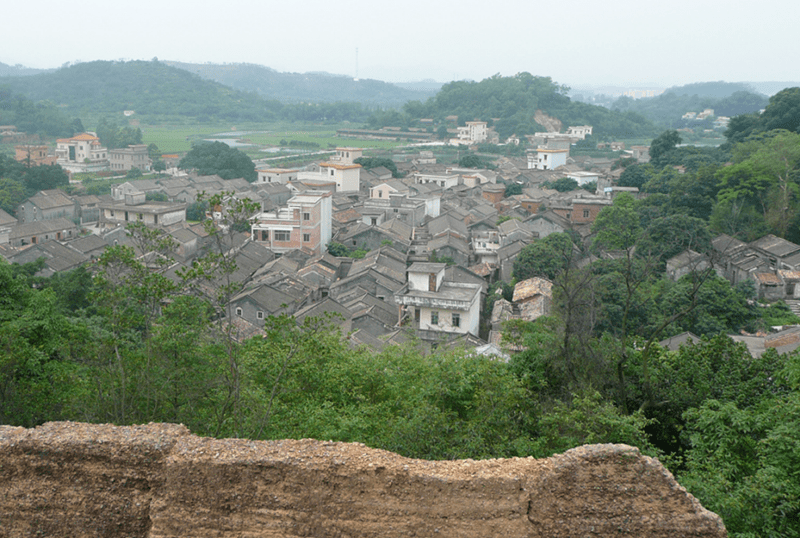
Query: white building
(346, 155)
(584, 177)
(135, 208)
(305, 222)
(473, 132)
(445, 181)
(439, 307)
(547, 159)
(276, 175)
(346, 176)
(81, 153)
(579, 131)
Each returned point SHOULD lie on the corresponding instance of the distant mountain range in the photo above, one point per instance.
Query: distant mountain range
(317, 87)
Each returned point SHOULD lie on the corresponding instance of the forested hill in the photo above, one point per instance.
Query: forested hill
(304, 87)
(725, 98)
(146, 87)
(510, 104)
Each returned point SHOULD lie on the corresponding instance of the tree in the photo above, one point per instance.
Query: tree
(635, 175)
(661, 145)
(544, 258)
(562, 184)
(512, 189)
(211, 277)
(210, 158)
(764, 178)
(374, 162)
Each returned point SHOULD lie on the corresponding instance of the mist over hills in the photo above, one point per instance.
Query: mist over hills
(308, 87)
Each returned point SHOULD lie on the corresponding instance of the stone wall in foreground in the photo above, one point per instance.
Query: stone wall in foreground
(159, 481)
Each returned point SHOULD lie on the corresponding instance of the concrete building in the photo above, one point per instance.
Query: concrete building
(473, 132)
(347, 177)
(439, 307)
(133, 156)
(81, 153)
(48, 205)
(346, 155)
(579, 131)
(306, 222)
(281, 176)
(135, 208)
(33, 154)
(443, 181)
(547, 159)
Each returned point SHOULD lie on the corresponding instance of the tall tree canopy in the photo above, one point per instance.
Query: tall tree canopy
(210, 158)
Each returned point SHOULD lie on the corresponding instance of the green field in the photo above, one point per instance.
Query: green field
(314, 137)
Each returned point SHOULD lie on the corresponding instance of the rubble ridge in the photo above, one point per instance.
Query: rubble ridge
(159, 480)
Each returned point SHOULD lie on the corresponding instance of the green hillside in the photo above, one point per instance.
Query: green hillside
(149, 88)
(304, 87)
(510, 103)
(666, 110)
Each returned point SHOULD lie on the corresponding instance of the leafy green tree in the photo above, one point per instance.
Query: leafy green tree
(210, 158)
(472, 161)
(12, 193)
(37, 381)
(212, 278)
(668, 236)
(544, 258)
(197, 211)
(589, 419)
(743, 459)
(374, 162)
(661, 145)
(763, 179)
(562, 184)
(635, 175)
(512, 189)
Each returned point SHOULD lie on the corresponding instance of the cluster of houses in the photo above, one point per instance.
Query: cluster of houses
(84, 153)
(432, 241)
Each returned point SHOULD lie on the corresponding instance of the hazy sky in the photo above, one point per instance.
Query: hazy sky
(576, 42)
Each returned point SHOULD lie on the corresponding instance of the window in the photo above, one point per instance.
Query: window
(238, 311)
(282, 236)
(586, 213)
(306, 216)
(260, 314)
(434, 318)
(265, 235)
(456, 320)
(306, 238)
(331, 171)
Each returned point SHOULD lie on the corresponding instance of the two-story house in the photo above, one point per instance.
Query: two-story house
(133, 156)
(438, 307)
(305, 222)
(81, 153)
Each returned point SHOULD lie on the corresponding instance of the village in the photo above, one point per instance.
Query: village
(415, 255)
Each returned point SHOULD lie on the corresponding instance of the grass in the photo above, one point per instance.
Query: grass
(178, 138)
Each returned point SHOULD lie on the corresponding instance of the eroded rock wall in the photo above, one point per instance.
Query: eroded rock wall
(70, 479)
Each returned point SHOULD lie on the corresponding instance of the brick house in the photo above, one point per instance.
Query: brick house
(306, 222)
(133, 156)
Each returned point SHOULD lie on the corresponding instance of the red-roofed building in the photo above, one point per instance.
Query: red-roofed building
(81, 153)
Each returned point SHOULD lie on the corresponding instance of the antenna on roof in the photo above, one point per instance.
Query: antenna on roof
(356, 78)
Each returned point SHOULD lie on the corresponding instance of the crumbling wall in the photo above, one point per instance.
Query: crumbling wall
(71, 479)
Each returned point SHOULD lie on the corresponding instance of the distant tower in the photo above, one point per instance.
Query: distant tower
(356, 79)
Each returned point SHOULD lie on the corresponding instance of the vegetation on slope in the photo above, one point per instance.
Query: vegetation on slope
(510, 103)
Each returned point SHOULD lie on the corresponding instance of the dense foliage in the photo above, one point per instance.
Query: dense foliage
(210, 158)
(667, 109)
(156, 89)
(304, 87)
(513, 102)
(18, 181)
(42, 118)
